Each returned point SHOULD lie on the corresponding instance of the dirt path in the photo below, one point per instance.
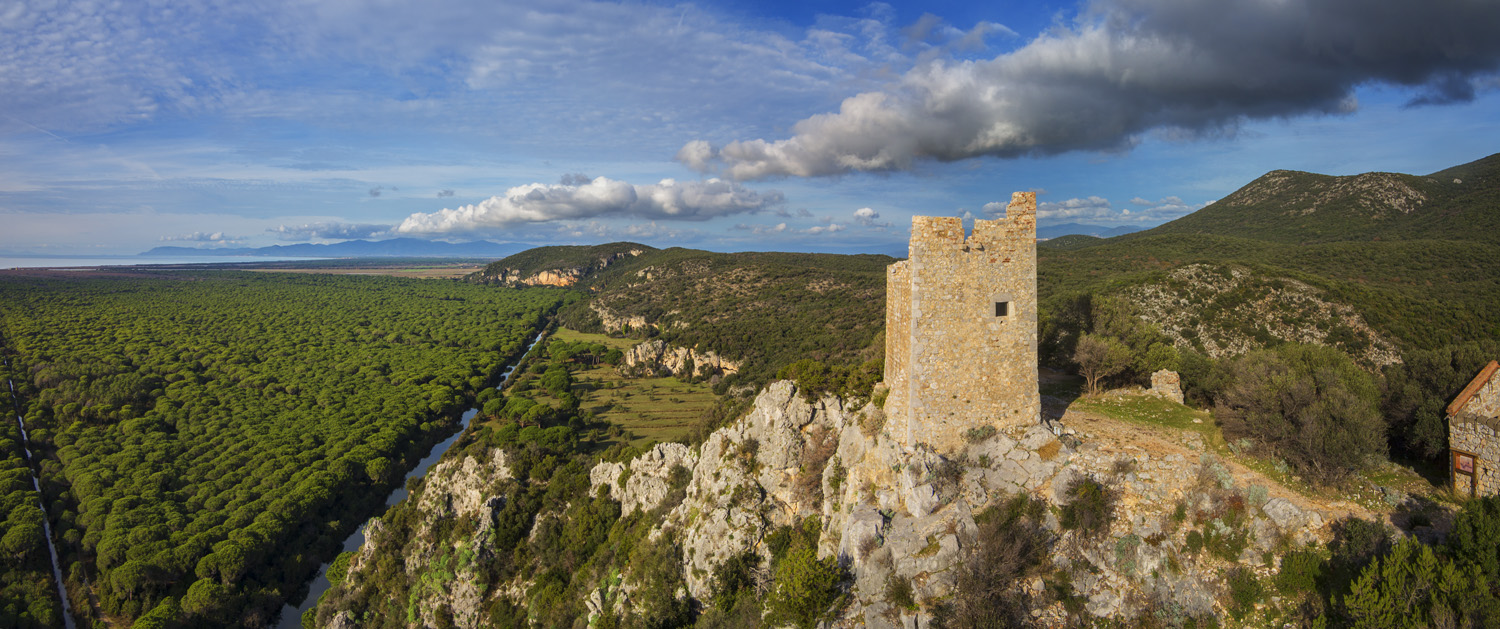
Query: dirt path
(1112, 435)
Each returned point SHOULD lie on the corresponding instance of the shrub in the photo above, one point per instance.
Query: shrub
(1011, 544)
(805, 588)
(898, 592)
(980, 433)
(1310, 405)
(1300, 570)
(1476, 535)
(1090, 508)
(1244, 590)
(1412, 587)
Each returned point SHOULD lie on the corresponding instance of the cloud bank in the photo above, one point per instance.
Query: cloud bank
(1126, 67)
(580, 198)
(329, 231)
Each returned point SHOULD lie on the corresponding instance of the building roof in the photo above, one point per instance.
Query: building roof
(1474, 386)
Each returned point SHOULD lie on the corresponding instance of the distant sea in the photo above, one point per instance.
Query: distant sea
(70, 262)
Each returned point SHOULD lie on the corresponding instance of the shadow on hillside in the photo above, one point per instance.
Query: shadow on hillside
(1059, 390)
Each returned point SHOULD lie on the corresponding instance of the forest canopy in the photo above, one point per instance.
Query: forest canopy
(207, 437)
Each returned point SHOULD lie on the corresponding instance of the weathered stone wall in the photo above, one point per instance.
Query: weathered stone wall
(952, 363)
(1478, 437)
(1486, 402)
(897, 345)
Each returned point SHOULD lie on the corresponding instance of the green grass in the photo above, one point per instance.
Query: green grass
(651, 410)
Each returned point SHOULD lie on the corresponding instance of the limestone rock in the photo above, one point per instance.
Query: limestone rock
(656, 355)
(647, 483)
(1167, 384)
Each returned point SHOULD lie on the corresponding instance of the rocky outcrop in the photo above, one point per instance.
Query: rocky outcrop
(1166, 384)
(887, 510)
(643, 483)
(655, 355)
(618, 323)
(448, 584)
(562, 276)
(1225, 311)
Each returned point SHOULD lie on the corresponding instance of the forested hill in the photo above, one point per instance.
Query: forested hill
(1459, 203)
(765, 309)
(1417, 258)
(561, 265)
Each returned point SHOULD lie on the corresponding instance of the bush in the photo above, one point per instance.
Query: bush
(805, 588)
(898, 592)
(1300, 570)
(1090, 508)
(1476, 536)
(1244, 590)
(1011, 544)
(1310, 405)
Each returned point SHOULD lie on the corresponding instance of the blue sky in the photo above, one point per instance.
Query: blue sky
(730, 126)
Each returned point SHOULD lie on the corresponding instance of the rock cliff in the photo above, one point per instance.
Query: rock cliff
(655, 355)
(887, 514)
(560, 276)
(911, 513)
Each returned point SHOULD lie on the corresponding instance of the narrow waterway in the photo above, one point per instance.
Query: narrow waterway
(291, 617)
(36, 483)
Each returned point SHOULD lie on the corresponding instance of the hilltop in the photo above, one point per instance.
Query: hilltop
(1389, 262)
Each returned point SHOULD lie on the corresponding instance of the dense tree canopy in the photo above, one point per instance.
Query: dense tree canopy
(208, 436)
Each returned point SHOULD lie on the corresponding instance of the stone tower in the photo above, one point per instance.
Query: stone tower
(960, 321)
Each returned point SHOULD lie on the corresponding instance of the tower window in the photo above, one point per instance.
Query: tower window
(1002, 308)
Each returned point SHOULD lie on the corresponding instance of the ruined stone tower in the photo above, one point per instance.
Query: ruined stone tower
(960, 321)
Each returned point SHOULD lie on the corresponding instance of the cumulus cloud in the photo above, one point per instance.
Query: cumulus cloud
(1127, 67)
(329, 231)
(1090, 207)
(601, 197)
(869, 218)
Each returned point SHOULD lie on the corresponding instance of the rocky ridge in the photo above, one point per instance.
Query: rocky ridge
(1205, 307)
(888, 511)
(655, 355)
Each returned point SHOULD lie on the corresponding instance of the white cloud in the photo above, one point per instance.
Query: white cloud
(330, 230)
(600, 198)
(869, 218)
(1127, 67)
(1090, 208)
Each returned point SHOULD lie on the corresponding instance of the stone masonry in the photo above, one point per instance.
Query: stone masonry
(961, 328)
(1474, 435)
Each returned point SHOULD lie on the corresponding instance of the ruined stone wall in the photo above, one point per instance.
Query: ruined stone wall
(897, 345)
(962, 365)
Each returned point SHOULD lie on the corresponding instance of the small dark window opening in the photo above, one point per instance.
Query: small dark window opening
(1002, 308)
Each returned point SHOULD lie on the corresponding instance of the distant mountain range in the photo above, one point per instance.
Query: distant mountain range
(393, 248)
(1081, 229)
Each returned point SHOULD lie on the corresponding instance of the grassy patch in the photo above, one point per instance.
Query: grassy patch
(1154, 411)
(649, 409)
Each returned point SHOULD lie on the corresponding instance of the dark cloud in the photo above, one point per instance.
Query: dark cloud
(1126, 67)
(375, 192)
(329, 231)
(444, 193)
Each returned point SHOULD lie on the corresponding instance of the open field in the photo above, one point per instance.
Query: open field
(650, 410)
(427, 271)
